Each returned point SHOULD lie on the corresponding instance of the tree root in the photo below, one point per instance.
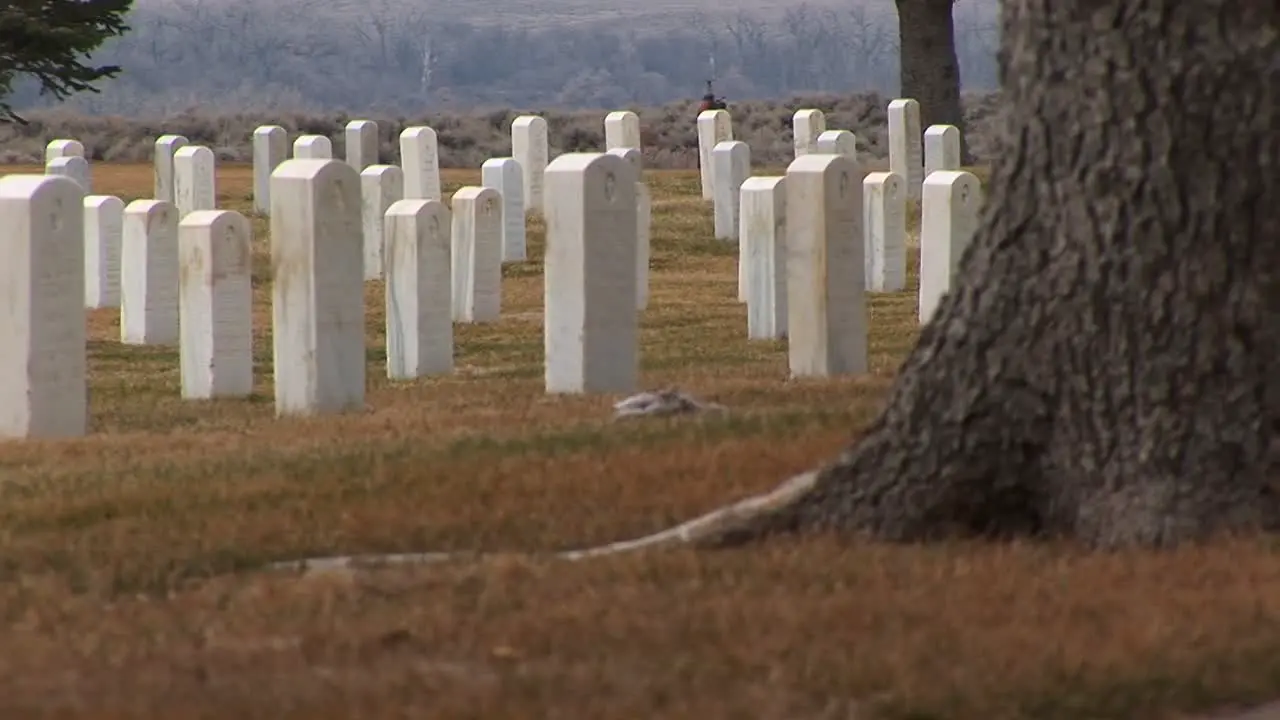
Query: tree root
(730, 525)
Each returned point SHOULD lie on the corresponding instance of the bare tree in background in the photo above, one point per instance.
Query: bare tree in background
(869, 40)
(929, 67)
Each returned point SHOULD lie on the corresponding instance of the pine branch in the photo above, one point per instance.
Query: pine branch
(50, 41)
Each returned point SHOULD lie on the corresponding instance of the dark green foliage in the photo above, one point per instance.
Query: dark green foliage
(48, 40)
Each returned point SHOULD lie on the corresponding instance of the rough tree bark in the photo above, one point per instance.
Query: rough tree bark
(1107, 366)
(928, 66)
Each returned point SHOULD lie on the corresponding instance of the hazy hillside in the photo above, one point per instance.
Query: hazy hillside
(406, 56)
(652, 15)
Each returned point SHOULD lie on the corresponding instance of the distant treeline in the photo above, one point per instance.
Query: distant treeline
(391, 56)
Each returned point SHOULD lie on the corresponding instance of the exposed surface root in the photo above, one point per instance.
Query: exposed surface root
(725, 526)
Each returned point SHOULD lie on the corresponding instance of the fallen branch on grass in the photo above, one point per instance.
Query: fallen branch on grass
(723, 527)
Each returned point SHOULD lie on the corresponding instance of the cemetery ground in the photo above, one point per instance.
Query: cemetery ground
(130, 561)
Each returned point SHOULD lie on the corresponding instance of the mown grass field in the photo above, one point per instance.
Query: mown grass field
(129, 560)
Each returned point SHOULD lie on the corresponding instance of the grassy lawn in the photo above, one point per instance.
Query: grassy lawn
(129, 560)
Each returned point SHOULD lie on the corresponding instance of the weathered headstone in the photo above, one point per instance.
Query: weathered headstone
(806, 126)
(763, 256)
(949, 211)
(591, 263)
(63, 147)
(731, 166)
(215, 304)
(162, 160)
(476, 255)
(149, 274)
(361, 144)
(72, 167)
(195, 175)
(420, 160)
(826, 304)
(380, 187)
(941, 148)
(270, 148)
(621, 130)
(43, 390)
(507, 177)
(905, 151)
(103, 235)
(419, 289)
(317, 292)
(714, 127)
(644, 223)
(530, 148)
(312, 147)
(838, 142)
(884, 224)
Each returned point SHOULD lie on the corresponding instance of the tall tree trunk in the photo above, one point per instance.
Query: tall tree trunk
(1107, 365)
(930, 70)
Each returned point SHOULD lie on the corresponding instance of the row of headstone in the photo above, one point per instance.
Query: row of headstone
(128, 264)
(419, 159)
(481, 238)
(185, 180)
(590, 203)
(65, 157)
(801, 262)
(184, 175)
(201, 264)
(951, 203)
(592, 261)
(912, 155)
(187, 174)
(806, 264)
(417, 177)
(184, 183)
(715, 127)
(884, 198)
(916, 155)
(187, 281)
(382, 185)
(193, 274)
(763, 278)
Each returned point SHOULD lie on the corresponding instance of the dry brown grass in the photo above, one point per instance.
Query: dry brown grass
(127, 557)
